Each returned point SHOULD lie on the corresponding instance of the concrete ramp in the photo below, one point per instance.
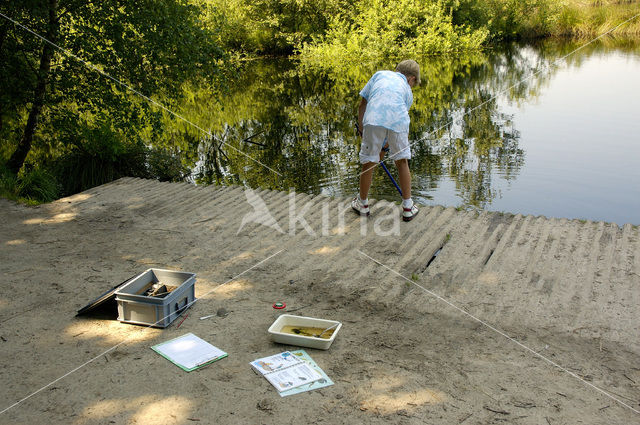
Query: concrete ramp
(455, 317)
(570, 276)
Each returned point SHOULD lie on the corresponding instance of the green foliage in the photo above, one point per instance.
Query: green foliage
(509, 19)
(270, 26)
(37, 185)
(283, 24)
(165, 165)
(366, 30)
(99, 154)
(375, 29)
(32, 186)
(152, 46)
(8, 183)
(568, 19)
(340, 30)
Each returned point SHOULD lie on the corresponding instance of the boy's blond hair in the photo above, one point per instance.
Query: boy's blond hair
(409, 68)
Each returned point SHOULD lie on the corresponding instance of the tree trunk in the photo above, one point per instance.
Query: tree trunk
(24, 146)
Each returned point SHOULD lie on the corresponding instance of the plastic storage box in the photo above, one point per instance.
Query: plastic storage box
(157, 311)
(275, 330)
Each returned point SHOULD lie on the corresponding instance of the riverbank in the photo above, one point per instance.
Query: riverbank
(580, 18)
(567, 289)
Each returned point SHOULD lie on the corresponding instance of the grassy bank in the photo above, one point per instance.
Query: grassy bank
(30, 187)
(81, 168)
(588, 18)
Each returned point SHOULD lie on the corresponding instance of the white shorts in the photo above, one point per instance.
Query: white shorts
(375, 137)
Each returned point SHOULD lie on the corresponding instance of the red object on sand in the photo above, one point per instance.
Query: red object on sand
(183, 319)
(279, 306)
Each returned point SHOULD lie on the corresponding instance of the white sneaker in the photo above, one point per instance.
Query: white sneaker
(409, 213)
(359, 207)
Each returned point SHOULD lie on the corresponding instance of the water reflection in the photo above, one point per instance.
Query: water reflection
(299, 122)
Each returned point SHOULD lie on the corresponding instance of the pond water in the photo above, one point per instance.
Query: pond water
(534, 129)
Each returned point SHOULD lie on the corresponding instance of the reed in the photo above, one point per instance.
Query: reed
(588, 18)
(31, 187)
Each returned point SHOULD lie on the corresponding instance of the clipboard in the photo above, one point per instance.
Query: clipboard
(189, 352)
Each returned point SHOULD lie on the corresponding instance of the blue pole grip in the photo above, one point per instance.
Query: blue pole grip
(384, 167)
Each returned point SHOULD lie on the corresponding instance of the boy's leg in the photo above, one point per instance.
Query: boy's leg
(409, 209)
(367, 173)
(405, 177)
(373, 138)
(400, 151)
(399, 146)
(365, 179)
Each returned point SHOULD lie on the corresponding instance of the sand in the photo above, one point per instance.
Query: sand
(460, 348)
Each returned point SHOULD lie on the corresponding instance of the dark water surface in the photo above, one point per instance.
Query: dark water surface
(519, 129)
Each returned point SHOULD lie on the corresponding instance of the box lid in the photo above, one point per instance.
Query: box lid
(102, 299)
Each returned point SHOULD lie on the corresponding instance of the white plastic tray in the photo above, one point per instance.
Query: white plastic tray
(301, 340)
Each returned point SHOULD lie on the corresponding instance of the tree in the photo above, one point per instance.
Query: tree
(153, 46)
(20, 154)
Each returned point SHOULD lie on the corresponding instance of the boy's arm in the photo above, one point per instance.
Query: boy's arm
(361, 109)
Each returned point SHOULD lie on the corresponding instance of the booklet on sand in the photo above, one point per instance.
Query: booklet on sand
(315, 385)
(286, 371)
(189, 352)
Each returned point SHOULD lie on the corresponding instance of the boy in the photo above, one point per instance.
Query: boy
(383, 117)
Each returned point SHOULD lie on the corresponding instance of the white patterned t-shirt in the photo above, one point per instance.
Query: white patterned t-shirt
(389, 98)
